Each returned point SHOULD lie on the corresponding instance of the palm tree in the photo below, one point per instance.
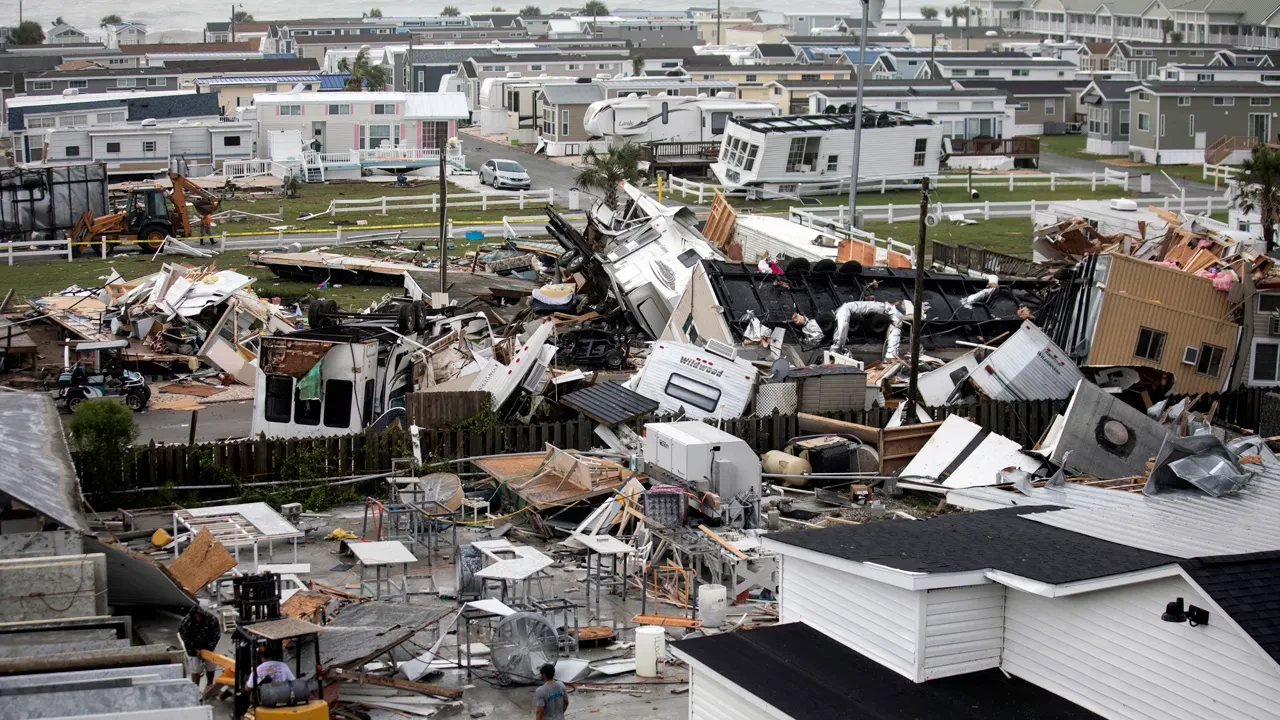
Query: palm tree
(242, 16)
(108, 19)
(58, 21)
(637, 64)
(530, 11)
(1166, 27)
(450, 11)
(606, 172)
(497, 8)
(928, 13)
(1258, 189)
(364, 74)
(956, 12)
(595, 9)
(374, 13)
(28, 32)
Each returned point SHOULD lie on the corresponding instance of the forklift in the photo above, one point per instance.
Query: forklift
(298, 699)
(151, 213)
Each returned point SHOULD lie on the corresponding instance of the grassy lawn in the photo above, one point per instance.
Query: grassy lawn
(315, 198)
(1011, 236)
(45, 278)
(1069, 145)
(943, 195)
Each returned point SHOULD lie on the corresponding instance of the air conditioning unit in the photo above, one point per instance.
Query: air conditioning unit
(1190, 355)
(724, 350)
(1135, 155)
(1275, 323)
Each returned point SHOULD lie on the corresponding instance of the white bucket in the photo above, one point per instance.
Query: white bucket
(712, 604)
(651, 646)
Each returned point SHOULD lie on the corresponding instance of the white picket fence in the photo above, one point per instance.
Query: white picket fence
(483, 201)
(704, 192)
(826, 218)
(1223, 173)
(21, 250)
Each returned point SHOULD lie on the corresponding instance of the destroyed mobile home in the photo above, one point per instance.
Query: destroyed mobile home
(652, 556)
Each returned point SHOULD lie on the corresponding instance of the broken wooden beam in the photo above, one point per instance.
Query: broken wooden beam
(398, 683)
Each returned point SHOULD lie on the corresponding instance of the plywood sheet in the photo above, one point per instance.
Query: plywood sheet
(204, 561)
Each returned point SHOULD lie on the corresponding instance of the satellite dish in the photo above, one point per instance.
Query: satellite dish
(522, 643)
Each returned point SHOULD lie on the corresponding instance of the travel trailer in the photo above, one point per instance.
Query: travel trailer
(708, 382)
(811, 154)
(496, 99)
(337, 379)
(663, 118)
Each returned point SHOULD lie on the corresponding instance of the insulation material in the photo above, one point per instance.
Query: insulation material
(295, 358)
(204, 561)
(893, 338)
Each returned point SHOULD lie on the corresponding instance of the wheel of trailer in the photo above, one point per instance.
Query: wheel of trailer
(850, 267)
(877, 324)
(405, 321)
(856, 324)
(826, 266)
(521, 644)
(136, 400)
(797, 265)
(73, 401)
(575, 264)
(614, 359)
(150, 237)
(419, 309)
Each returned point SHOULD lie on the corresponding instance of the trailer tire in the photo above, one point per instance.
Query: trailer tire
(850, 267)
(615, 359)
(797, 265)
(419, 315)
(404, 320)
(136, 401)
(826, 266)
(877, 324)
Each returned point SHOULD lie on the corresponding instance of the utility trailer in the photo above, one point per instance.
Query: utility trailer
(45, 203)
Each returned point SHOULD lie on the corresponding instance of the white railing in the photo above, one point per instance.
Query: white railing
(37, 248)
(234, 169)
(483, 201)
(1218, 172)
(826, 218)
(384, 154)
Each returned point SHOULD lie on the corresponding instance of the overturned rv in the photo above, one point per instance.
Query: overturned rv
(811, 154)
(650, 251)
(346, 371)
(665, 118)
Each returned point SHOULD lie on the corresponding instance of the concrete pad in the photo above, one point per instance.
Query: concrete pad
(61, 701)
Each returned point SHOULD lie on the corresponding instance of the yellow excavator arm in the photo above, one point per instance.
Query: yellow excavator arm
(205, 202)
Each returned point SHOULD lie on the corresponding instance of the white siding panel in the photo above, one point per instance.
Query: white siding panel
(964, 630)
(1110, 652)
(712, 697)
(192, 142)
(878, 620)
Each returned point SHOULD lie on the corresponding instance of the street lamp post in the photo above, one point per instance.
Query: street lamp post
(857, 121)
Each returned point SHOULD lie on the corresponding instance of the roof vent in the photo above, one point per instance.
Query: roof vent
(70, 92)
(724, 350)
(1124, 205)
(148, 122)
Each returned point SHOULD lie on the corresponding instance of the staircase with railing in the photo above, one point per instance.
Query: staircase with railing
(1222, 148)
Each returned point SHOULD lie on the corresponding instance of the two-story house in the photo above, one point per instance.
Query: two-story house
(1176, 122)
(125, 33)
(1144, 59)
(641, 33)
(474, 71)
(751, 80)
(103, 80)
(64, 35)
(1106, 107)
(220, 32)
(963, 112)
(999, 66)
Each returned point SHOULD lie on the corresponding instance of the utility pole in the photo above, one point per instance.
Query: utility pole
(857, 118)
(442, 132)
(718, 40)
(917, 321)
(233, 22)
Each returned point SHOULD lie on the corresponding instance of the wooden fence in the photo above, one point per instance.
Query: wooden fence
(445, 409)
(249, 461)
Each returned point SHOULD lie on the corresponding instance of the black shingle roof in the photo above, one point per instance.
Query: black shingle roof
(141, 106)
(1247, 587)
(809, 676)
(992, 539)
(776, 50)
(609, 403)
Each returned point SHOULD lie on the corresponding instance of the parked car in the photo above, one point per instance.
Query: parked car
(504, 174)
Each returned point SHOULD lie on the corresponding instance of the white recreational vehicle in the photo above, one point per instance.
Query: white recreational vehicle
(708, 382)
(812, 154)
(496, 99)
(665, 118)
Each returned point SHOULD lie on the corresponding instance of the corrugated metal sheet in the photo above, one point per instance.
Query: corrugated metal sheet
(1123, 315)
(1184, 523)
(609, 403)
(256, 79)
(37, 465)
(1027, 366)
(1110, 652)
(436, 106)
(1171, 288)
(964, 630)
(878, 620)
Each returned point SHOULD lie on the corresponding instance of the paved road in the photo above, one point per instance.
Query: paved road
(543, 171)
(216, 421)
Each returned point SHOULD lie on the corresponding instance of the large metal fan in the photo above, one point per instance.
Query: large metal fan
(522, 643)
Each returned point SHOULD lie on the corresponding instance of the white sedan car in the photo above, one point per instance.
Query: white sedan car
(504, 174)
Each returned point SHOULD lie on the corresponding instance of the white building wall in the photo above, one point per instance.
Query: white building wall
(1106, 147)
(964, 630)
(713, 697)
(1110, 652)
(131, 147)
(341, 131)
(885, 152)
(878, 620)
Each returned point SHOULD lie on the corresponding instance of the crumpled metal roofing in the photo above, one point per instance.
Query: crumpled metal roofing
(1182, 523)
(37, 464)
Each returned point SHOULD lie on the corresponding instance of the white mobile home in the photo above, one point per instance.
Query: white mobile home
(811, 154)
(662, 118)
(153, 146)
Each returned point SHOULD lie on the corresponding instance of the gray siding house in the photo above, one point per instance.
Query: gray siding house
(1040, 107)
(1173, 123)
(1107, 124)
(101, 80)
(561, 108)
(651, 34)
(1143, 59)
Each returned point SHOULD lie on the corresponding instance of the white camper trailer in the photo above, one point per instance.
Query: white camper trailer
(812, 154)
(665, 118)
(495, 100)
(708, 382)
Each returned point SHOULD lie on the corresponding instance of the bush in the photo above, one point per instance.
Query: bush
(102, 432)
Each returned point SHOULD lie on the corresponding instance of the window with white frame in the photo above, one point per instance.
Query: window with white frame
(958, 72)
(37, 123)
(79, 84)
(73, 120)
(1050, 106)
(1184, 100)
(340, 109)
(126, 82)
(802, 156)
(564, 122)
(751, 78)
(1022, 106)
(156, 82)
(535, 68)
(1095, 121)
(290, 109)
(1144, 122)
(384, 109)
(1143, 96)
(833, 163)
(918, 157)
(1204, 77)
(1106, 121)
(1260, 101)
(604, 66)
(573, 66)
(41, 85)
(1224, 101)
(1124, 123)
(1264, 367)
(1021, 72)
(373, 137)
(982, 72)
(118, 116)
(118, 61)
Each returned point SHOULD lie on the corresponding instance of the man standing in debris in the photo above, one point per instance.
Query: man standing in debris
(553, 697)
(206, 228)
